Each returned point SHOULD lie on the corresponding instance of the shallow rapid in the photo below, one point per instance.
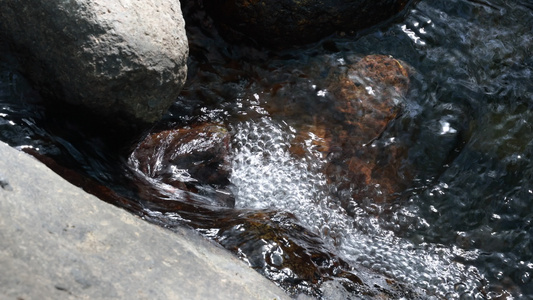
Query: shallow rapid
(266, 176)
(462, 225)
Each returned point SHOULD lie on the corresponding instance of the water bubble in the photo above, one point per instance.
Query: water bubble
(525, 278)
(266, 175)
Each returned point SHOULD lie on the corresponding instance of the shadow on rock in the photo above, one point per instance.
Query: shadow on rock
(285, 23)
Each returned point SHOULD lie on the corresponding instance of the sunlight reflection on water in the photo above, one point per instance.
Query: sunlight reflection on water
(265, 175)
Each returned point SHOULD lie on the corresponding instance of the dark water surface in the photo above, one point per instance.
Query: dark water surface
(462, 229)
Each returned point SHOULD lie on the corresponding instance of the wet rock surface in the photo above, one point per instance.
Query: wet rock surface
(358, 101)
(124, 60)
(361, 99)
(288, 22)
(369, 96)
(194, 158)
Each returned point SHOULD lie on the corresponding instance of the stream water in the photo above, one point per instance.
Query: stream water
(461, 229)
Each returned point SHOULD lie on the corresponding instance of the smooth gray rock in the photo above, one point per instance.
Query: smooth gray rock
(123, 59)
(58, 242)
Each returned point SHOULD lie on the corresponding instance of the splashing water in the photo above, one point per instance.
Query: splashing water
(266, 176)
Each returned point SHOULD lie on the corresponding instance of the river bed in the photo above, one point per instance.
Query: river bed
(463, 226)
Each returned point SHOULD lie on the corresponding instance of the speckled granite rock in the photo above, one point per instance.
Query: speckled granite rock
(123, 59)
(58, 242)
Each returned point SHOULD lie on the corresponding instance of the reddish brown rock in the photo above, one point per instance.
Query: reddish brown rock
(363, 99)
(369, 97)
(368, 94)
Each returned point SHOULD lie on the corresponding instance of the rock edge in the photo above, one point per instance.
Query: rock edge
(58, 242)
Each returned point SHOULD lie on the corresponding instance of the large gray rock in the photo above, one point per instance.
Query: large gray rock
(58, 242)
(124, 58)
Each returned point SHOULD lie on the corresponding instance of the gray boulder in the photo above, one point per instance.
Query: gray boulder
(119, 58)
(58, 242)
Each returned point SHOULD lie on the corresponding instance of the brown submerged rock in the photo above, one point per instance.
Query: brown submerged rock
(368, 94)
(283, 251)
(369, 97)
(363, 99)
(186, 158)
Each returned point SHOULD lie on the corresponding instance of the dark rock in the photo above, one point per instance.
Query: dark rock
(186, 158)
(369, 97)
(290, 22)
(125, 60)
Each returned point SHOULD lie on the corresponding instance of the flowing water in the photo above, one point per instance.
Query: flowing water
(463, 226)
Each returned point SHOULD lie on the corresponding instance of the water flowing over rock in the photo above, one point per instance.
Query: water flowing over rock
(337, 146)
(363, 99)
(124, 59)
(289, 22)
(187, 159)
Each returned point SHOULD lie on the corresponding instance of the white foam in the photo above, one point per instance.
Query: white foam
(266, 175)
